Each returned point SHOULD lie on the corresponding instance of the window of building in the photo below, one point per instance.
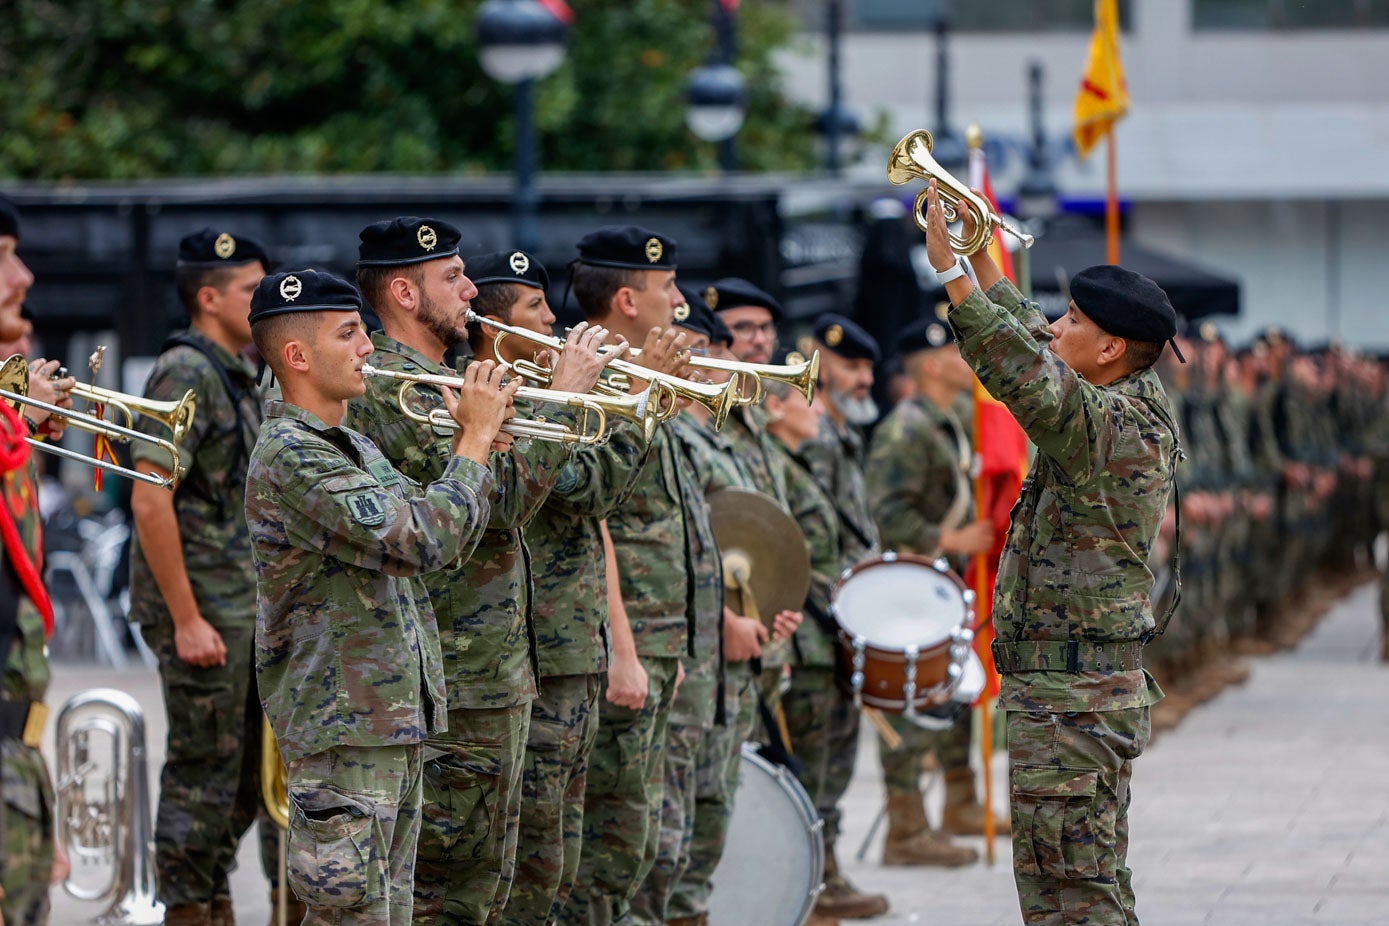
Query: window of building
(1290, 14)
(993, 16)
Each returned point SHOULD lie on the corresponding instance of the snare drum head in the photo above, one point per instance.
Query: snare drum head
(775, 854)
(896, 604)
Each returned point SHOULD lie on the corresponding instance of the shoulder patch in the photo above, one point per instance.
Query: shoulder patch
(366, 509)
(383, 472)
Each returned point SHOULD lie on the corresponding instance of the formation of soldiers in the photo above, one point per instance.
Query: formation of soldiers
(508, 678)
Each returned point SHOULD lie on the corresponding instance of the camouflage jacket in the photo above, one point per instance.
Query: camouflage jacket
(711, 467)
(210, 502)
(347, 650)
(745, 433)
(650, 540)
(918, 476)
(482, 602)
(1073, 582)
(834, 458)
(566, 549)
(814, 641)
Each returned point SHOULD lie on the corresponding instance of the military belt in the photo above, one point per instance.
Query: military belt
(23, 721)
(1068, 656)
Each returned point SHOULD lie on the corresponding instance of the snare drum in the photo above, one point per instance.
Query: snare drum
(905, 626)
(773, 862)
(943, 716)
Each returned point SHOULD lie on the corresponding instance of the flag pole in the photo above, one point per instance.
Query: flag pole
(1111, 200)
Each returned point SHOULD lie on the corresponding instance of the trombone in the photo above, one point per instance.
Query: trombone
(177, 416)
(718, 398)
(633, 408)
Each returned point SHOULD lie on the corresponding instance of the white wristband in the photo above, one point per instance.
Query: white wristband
(953, 273)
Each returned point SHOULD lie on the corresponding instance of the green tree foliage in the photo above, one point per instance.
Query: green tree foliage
(120, 89)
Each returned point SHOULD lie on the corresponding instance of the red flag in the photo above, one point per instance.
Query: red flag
(1000, 450)
(559, 10)
(729, 5)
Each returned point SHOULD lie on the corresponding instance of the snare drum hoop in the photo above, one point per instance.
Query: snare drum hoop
(861, 648)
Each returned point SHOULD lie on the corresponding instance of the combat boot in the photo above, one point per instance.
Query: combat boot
(188, 914)
(221, 912)
(841, 900)
(911, 841)
(295, 911)
(962, 814)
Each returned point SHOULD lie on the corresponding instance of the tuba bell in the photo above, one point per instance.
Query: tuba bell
(103, 813)
(911, 160)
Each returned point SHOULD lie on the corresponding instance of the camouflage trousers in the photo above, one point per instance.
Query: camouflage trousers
(678, 803)
(27, 840)
(564, 725)
(1068, 776)
(622, 806)
(824, 734)
(472, 816)
(353, 824)
(716, 762)
(902, 766)
(209, 789)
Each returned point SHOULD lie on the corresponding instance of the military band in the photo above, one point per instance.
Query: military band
(510, 671)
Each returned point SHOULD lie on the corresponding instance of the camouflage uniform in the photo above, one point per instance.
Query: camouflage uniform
(622, 807)
(472, 794)
(26, 815)
(209, 791)
(347, 650)
(1071, 606)
(571, 631)
(918, 486)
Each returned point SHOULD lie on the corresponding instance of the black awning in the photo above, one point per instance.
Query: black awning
(1071, 245)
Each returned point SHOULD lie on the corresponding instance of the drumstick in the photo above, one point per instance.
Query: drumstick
(890, 738)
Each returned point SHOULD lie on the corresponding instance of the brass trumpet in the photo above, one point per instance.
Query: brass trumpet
(719, 399)
(800, 376)
(177, 416)
(633, 408)
(911, 160)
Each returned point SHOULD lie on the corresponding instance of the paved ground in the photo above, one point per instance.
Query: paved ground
(1268, 806)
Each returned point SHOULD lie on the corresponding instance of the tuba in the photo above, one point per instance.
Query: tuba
(103, 813)
(911, 160)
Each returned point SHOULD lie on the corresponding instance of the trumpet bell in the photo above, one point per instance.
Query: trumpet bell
(911, 159)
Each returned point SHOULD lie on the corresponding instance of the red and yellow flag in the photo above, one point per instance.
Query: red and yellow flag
(1103, 96)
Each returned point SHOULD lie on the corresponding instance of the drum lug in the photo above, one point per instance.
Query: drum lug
(890, 556)
(909, 685)
(856, 680)
(942, 564)
(969, 597)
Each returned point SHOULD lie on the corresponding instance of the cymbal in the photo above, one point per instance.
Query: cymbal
(765, 544)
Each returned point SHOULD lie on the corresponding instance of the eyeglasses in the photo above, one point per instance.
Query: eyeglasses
(752, 329)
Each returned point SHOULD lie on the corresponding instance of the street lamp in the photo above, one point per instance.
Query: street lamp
(715, 110)
(521, 41)
(1037, 192)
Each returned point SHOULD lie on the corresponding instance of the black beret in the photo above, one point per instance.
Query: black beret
(303, 291)
(694, 314)
(928, 333)
(217, 247)
(845, 338)
(406, 239)
(1124, 303)
(506, 267)
(733, 293)
(9, 217)
(630, 247)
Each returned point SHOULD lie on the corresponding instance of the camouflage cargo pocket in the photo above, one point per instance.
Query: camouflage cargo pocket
(336, 856)
(1057, 825)
(460, 804)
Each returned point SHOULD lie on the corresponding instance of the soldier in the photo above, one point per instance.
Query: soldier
(569, 603)
(29, 858)
(624, 279)
(347, 650)
(920, 492)
(824, 724)
(1071, 607)
(412, 276)
(193, 590)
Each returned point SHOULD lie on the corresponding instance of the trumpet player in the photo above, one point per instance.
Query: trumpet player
(569, 605)
(411, 274)
(192, 584)
(348, 654)
(624, 279)
(29, 858)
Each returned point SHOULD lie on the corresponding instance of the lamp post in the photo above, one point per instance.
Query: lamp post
(521, 41)
(1037, 192)
(947, 148)
(714, 93)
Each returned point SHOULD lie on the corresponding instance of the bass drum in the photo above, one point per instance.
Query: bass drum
(774, 861)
